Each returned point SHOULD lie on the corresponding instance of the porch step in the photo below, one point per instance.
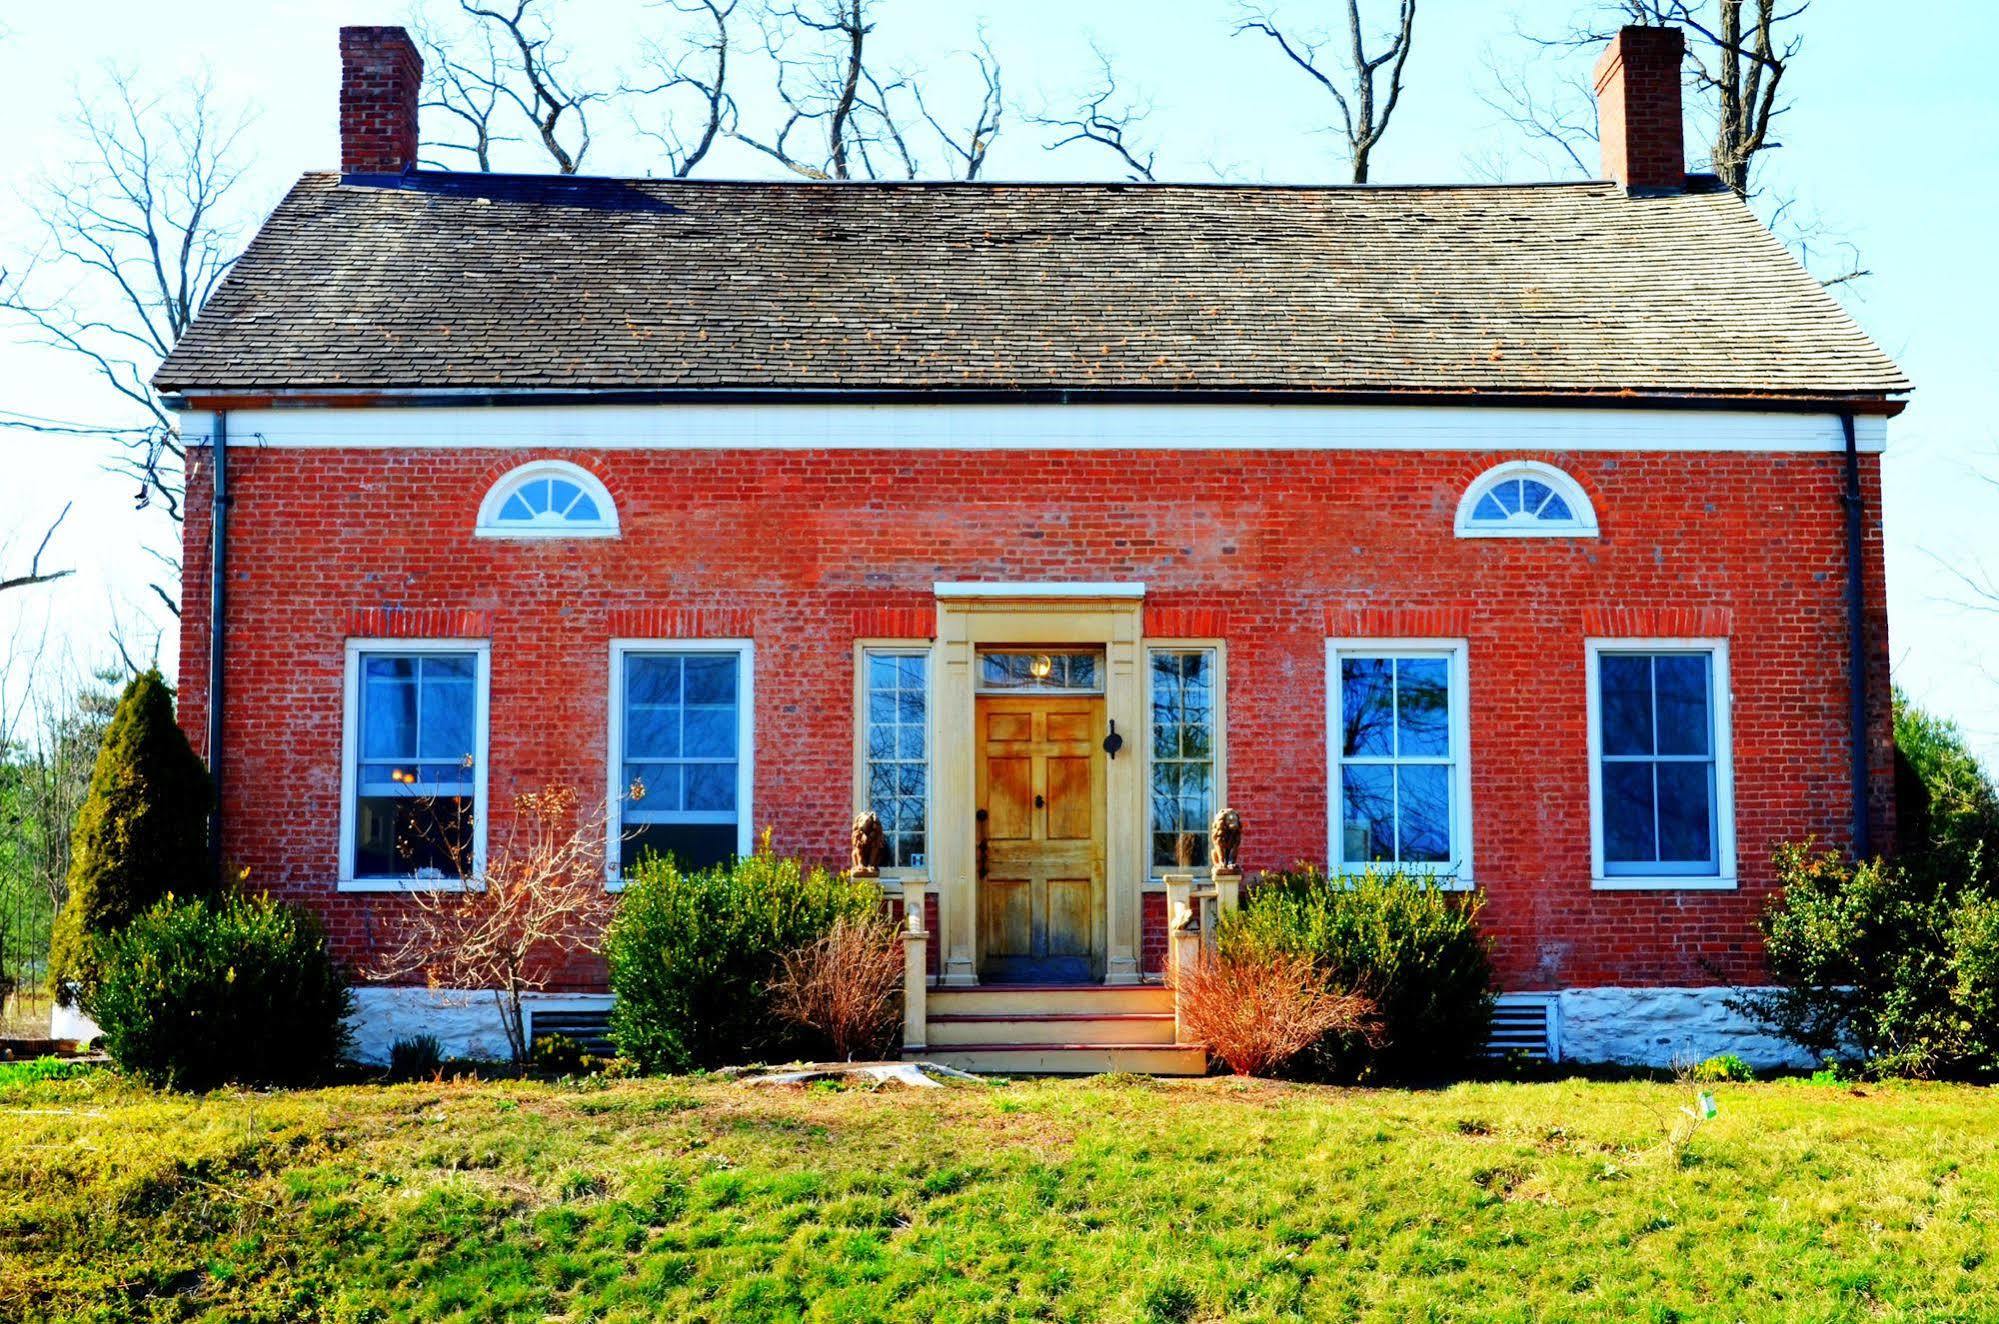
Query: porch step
(1074, 1059)
(1130, 1027)
(1050, 1000)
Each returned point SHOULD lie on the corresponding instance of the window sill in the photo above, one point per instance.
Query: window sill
(1664, 883)
(407, 885)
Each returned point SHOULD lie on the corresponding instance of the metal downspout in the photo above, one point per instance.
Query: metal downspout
(218, 581)
(1856, 638)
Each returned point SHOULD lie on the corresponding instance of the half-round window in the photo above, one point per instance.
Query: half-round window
(1525, 499)
(550, 499)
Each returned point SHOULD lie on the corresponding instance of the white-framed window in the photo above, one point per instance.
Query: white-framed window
(1184, 695)
(1398, 756)
(413, 763)
(680, 751)
(893, 702)
(1525, 499)
(548, 499)
(1661, 769)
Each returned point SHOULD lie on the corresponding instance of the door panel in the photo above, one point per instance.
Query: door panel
(1041, 797)
(1070, 812)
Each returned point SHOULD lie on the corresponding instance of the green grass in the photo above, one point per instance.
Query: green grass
(1110, 1199)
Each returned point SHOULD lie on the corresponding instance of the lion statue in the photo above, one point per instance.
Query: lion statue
(1225, 842)
(870, 846)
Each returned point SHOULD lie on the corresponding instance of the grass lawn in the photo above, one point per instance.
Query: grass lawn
(1107, 1199)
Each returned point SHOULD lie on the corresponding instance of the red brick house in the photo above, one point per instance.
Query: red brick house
(1529, 536)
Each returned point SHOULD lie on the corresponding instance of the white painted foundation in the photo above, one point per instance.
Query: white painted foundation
(1663, 1027)
(467, 1022)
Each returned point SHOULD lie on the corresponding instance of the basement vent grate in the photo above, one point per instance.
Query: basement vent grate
(591, 1028)
(1523, 1025)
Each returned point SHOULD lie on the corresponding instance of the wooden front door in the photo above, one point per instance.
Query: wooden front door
(1041, 838)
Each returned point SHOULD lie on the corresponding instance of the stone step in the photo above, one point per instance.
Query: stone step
(1049, 1000)
(1075, 1059)
(1131, 1027)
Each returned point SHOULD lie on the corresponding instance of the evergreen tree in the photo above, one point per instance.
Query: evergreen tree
(141, 834)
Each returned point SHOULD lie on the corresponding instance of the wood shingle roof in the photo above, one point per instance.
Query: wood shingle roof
(445, 281)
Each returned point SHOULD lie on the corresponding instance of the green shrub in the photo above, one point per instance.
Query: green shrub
(1725, 1067)
(1946, 808)
(556, 1055)
(1882, 963)
(418, 1057)
(142, 832)
(196, 993)
(1409, 946)
(693, 956)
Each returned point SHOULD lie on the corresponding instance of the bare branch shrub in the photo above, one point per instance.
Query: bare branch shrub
(846, 986)
(1102, 117)
(1365, 87)
(510, 927)
(1258, 1010)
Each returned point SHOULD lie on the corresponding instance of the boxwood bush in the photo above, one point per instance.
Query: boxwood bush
(693, 956)
(197, 993)
(1407, 944)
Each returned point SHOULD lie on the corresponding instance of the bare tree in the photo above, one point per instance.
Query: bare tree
(1104, 118)
(513, 68)
(1366, 87)
(35, 574)
(510, 926)
(136, 232)
(675, 75)
(1737, 56)
(825, 82)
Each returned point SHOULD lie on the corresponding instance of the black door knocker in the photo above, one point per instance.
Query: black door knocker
(1113, 742)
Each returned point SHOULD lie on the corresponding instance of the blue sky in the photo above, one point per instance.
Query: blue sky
(1890, 144)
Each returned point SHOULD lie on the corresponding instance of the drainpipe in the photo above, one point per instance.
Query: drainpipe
(218, 581)
(1856, 637)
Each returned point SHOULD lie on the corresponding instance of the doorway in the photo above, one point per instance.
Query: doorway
(1041, 840)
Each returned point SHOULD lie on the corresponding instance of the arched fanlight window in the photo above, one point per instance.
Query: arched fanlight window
(548, 499)
(1525, 499)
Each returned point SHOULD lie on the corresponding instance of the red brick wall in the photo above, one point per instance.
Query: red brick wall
(805, 550)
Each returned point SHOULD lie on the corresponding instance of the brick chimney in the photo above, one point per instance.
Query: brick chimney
(380, 77)
(1638, 109)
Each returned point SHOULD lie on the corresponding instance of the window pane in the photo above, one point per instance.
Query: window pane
(388, 718)
(1682, 680)
(1489, 509)
(446, 713)
(1422, 707)
(652, 733)
(1508, 493)
(1686, 813)
(1556, 509)
(652, 680)
(652, 787)
(584, 511)
(710, 679)
(691, 845)
(1628, 823)
(711, 787)
(1367, 706)
(1625, 689)
(1533, 495)
(1424, 799)
(407, 835)
(1367, 825)
(708, 733)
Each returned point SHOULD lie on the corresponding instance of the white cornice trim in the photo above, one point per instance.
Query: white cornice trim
(1035, 427)
(998, 589)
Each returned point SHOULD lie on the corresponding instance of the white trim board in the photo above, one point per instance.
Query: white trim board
(1004, 589)
(1029, 427)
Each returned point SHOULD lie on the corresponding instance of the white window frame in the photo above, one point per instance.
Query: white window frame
(350, 740)
(1582, 521)
(1156, 873)
(892, 875)
(614, 740)
(1721, 702)
(1455, 875)
(490, 525)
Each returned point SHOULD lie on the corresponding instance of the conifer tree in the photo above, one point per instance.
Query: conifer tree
(142, 833)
